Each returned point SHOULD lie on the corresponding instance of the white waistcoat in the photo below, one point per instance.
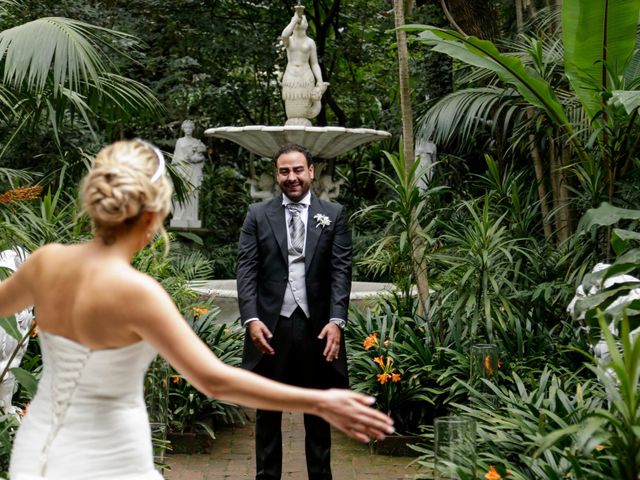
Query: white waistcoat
(296, 293)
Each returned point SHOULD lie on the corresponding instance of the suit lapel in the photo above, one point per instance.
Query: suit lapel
(313, 233)
(275, 217)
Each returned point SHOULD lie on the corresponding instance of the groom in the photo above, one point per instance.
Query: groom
(294, 280)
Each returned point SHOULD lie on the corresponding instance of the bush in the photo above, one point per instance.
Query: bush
(391, 358)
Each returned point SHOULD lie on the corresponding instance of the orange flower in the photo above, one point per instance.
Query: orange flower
(389, 362)
(371, 341)
(379, 361)
(383, 378)
(387, 342)
(492, 474)
(197, 311)
(395, 377)
(21, 194)
(34, 332)
(23, 412)
(175, 378)
(488, 366)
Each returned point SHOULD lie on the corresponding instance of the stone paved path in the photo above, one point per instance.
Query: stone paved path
(232, 457)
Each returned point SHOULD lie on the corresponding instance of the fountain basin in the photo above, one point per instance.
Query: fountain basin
(225, 295)
(322, 142)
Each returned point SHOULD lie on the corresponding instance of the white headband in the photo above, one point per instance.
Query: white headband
(161, 163)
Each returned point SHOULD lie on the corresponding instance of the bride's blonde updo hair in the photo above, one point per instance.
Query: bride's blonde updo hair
(125, 179)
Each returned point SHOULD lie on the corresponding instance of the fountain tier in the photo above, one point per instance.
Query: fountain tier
(322, 142)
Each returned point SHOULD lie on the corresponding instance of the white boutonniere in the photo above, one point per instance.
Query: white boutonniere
(321, 220)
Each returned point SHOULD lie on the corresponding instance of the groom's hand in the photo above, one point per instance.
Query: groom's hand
(260, 336)
(332, 333)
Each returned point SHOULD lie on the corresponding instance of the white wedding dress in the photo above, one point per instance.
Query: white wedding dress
(88, 419)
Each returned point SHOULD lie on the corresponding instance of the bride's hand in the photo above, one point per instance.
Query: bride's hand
(351, 413)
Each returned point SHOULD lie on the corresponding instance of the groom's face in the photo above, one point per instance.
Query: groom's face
(294, 175)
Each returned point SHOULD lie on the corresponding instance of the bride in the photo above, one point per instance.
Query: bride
(102, 322)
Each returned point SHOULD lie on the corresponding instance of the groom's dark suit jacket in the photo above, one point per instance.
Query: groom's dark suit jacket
(262, 272)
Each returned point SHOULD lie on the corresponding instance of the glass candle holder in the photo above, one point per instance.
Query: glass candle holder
(484, 361)
(455, 448)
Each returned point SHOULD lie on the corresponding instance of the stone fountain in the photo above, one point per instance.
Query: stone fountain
(302, 90)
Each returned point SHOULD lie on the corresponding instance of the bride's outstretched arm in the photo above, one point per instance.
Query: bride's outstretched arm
(160, 323)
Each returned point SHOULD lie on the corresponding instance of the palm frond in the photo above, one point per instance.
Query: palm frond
(67, 49)
(49, 45)
(117, 96)
(460, 115)
(12, 174)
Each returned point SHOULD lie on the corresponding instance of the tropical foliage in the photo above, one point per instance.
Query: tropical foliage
(535, 118)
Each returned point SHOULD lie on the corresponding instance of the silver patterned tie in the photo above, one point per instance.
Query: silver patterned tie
(296, 227)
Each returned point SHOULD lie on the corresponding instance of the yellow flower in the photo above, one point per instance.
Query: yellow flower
(371, 341)
(492, 474)
(383, 378)
(395, 377)
(379, 361)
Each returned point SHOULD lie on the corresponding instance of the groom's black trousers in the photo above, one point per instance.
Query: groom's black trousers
(298, 360)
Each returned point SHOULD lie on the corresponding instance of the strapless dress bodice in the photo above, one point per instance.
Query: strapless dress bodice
(88, 418)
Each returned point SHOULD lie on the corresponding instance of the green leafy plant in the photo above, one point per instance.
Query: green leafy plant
(402, 247)
(54, 217)
(483, 266)
(391, 358)
(513, 420)
(613, 431)
(612, 298)
(190, 410)
(8, 426)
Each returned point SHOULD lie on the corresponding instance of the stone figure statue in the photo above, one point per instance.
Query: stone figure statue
(12, 259)
(302, 85)
(188, 158)
(264, 188)
(426, 153)
(601, 349)
(327, 189)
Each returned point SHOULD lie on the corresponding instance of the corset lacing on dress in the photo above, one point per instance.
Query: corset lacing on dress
(68, 366)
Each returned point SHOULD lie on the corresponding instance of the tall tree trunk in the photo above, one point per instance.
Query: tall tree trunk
(540, 179)
(418, 251)
(555, 174)
(405, 87)
(542, 189)
(565, 206)
(519, 19)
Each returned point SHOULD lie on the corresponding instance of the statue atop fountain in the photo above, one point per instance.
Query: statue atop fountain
(302, 84)
(302, 91)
